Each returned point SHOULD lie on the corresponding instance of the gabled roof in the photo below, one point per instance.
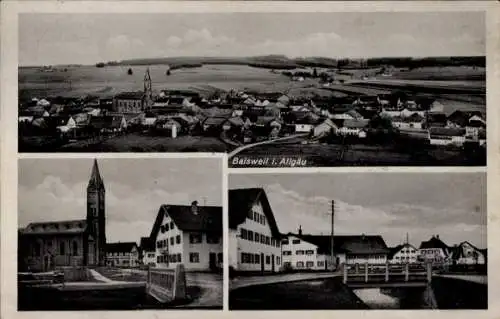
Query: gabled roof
(119, 247)
(434, 242)
(214, 120)
(241, 202)
(205, 219)
(356, 123)
(147, 244)
(107, 121)
(65, 227)
(445, 131)
(264, 120)
(396, 249)
(353, 244)
(130, 95)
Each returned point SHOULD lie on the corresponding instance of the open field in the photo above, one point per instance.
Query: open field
(90, 80)
(136, 142)
(452, 73)
(364, 155)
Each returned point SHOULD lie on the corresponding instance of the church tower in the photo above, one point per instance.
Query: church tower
(95, 246)
(148, 91)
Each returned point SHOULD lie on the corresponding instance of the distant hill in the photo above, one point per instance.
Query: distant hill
(284, 62)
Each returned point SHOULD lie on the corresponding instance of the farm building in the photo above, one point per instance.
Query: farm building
(403, 254)
(434, 250)
(467, 254)
(446, 136)
(348, 249)
(325, 128)
(354, 128)
(124, 254)
(107, 124)
(414, 121)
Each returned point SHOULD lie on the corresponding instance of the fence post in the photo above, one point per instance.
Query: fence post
(386, 271)
(366, 272)
(407, 272)
(356, 268)
(429, 272)
(148, 282)
(345, 273)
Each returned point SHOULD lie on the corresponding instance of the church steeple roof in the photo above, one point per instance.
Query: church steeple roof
(95, 180)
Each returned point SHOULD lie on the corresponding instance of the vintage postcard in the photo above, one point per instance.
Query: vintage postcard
(234, 157)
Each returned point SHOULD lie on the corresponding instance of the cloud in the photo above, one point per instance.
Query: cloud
(392, 221)
(123, 47)
(130, 211)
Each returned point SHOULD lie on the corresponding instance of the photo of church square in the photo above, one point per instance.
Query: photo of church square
(150, 236)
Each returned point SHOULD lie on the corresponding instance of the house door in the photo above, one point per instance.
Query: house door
(212, 261)
(272, 262)
(262, 261)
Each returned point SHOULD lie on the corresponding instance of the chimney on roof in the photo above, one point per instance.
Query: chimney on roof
(437, 236)
(300, 230)
(194, 207)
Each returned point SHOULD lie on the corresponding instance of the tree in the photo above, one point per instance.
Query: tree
(315, 73)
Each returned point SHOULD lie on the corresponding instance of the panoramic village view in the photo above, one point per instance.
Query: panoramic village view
(129, 249)
(324, 105)
(292, 246)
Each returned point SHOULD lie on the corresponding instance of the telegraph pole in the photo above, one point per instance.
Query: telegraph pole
(332, 241)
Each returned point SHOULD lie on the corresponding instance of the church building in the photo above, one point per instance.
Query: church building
(135, 102)
(45, 246)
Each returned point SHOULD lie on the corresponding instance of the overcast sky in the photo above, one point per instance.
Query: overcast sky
(55, 189)
(89, 38)
(452, 205)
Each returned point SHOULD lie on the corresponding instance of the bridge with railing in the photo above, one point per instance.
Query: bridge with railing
(387, 275)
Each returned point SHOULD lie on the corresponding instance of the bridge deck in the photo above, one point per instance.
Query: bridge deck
(395, 284)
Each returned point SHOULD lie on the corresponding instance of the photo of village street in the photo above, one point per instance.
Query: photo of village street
(300, 90)
(341, 241)
(120, 234)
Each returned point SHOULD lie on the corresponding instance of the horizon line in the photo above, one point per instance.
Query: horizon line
(254, 56)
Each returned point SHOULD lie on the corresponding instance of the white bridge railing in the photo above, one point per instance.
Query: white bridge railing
(167, 285)
(385, 273)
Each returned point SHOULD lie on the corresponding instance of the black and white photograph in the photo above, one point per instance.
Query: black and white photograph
(370, 240)
(120, 234)
(277, 89)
